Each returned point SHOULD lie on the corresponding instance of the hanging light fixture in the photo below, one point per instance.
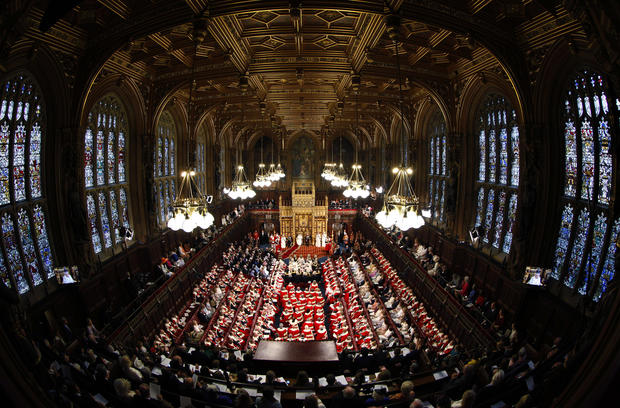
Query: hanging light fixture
(279, 172)
(357, 187)
(189, 209)
(340, 178)
(401, 207)
(262, 179)
(272, 174)
(240, 188)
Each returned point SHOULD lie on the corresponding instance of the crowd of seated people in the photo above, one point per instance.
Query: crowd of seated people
(302, 269)
(511, 371)
(262, 205)
(302, 317)
(485, 310)
(75, 376)
(233, 215)
(342, 204)
(436, 340)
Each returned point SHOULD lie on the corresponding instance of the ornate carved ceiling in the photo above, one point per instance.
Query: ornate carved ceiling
(299, 57)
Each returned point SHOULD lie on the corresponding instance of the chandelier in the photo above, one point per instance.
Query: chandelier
(339, 178)
(240, 186)
(262, 179)
(189, 209)
(274, 173)
(401, 207)
(328, 171)
(357, 187)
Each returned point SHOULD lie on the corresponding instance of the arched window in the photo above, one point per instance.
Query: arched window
(105, 170)
(584, 254)
(165, 162)
(438, 169)
(498, 171)
(26, 257)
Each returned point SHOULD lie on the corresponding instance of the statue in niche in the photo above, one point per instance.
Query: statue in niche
(303, 157)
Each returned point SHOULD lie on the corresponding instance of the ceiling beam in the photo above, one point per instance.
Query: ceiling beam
(434, 41)
(118, 7)
(165, 43)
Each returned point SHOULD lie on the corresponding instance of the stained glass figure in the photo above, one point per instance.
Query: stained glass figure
(92, 218)
(587, 160)
(12, 253)
(594, 257)
(570, 138)
(605, 163)
(34, 161)
(499, 220)
(28, 248)
(488, 223)
(579, 246)
(103, 218)
(512, 214)
(608, 271)
(514, 167)
(480, 206)
(43, 243)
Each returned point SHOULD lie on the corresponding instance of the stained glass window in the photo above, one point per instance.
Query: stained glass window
(165, 164)
(498, 171)
(437, 166)
(588, 176)
(107, 207)
(26, 257)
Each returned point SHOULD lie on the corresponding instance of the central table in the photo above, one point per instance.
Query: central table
(293, 351)
(316, 357)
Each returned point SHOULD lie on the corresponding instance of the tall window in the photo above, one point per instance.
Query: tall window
(585, 248)
(437, 172)
(498, 171)
(165, 161)
(26, 257)
(105, 169)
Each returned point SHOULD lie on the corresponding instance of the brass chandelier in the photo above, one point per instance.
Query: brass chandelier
(357, 187)
(189, 209)
(401, 207)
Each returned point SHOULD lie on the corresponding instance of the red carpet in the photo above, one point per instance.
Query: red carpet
(289, 251)
(304, 250)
